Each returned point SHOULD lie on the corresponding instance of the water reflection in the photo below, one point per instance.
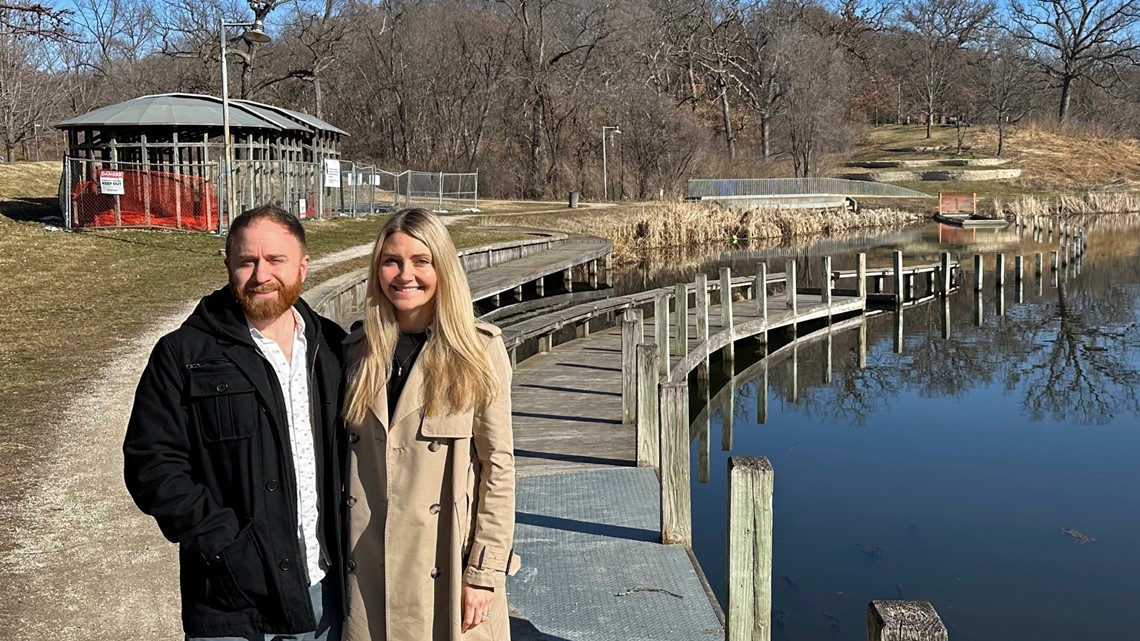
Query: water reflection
(940, 453)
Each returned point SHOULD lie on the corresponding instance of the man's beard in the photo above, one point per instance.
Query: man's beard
(269, 309)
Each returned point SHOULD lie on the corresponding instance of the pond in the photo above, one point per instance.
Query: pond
(992, 472)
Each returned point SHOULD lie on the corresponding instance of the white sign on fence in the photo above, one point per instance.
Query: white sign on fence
(332, 172)
(302, 207)
(111, 182)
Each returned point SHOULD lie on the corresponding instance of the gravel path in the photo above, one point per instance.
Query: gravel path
(87, 564)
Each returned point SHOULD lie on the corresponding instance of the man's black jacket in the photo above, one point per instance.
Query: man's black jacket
(207, 454)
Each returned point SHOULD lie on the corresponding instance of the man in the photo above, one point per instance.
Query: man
(232, 446)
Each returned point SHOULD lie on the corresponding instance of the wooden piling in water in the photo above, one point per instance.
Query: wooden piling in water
(676, 503)
(979, 264)
(568, 279)
(661, 330)
(1053, 261)
(749, 612)
(1018, 268)
(999, 270)
(1038, 264)
(540, 286)
(762, 299)
(825, 283)
(629, 342)
(904, 621)
(648, 425)
(897, 260)
(702, 307)
(944, 274)
(592, 273)
(681, 318)
(861, 275)
(790, 285)
(728, 402)
(726, 320)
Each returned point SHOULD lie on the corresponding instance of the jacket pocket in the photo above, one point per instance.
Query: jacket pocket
(457, 425)
(238, 576)
(224, 402)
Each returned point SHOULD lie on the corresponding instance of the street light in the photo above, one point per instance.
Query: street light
(254, 32)
(36, 135)
(605, 183)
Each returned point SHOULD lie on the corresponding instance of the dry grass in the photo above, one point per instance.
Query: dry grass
(1068, 163)
(1099, 202)
(634, 229)
(30, 189)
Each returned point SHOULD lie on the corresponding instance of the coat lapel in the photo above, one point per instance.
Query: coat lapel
(253, 365)
(411, 398)
(379, 407)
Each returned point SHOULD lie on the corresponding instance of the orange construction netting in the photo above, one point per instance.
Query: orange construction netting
(150, 199)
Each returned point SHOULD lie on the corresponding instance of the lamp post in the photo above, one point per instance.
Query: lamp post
(254, 32)
(605, 182)
(36, 135)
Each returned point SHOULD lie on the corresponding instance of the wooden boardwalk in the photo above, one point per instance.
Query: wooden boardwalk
(567, 402)
(513, 275)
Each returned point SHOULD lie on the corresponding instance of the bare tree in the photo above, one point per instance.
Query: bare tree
(27, 90)
(33, 19)
(1077, 38)
(943, 29)
(816, 102)
(1007, 84)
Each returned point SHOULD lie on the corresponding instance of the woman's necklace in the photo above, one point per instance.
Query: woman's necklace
(416, 345)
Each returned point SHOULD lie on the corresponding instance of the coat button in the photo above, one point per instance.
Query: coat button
(285, 565)
(353, 437)
(433, 446)
(221, 387)
(272, 485)
(351, 501)
(351, 565)
(434, 509)
(435, 573)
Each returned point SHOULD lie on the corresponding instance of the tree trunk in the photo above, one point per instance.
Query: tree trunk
(1001, 134)
(765, 136)
(1066, 95)
(317, 97)
(729, 139)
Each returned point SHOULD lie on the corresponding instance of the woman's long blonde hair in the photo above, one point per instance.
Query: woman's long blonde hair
(458, 374)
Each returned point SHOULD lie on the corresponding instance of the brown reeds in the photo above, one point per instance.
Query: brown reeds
(688, 224)
(1093, 202)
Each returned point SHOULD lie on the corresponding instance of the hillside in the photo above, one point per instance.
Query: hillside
(29, 190)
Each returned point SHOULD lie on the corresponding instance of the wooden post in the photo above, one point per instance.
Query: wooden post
(898, 264)
(726, 321)
(999, 271)
(979, 312)
(661, 330)
(648, 426)
(582, 329)
(861, 275)
(1018, 268)
(629, 341)
(878, 283)
(702, 307)
(898, 331)
(676, 503)
(540, 286)
(944, 275)
(945, 317)
(750, 483)
(1037, 270)
(762, 299)
(518, 293)
(681, 319)
(568, 279)
(904, 621)
(592, 271)
(762, 395)
(545, 342)
(863, 343)
(790, 285)
(825, 289)
(1053, 260)
(979, 265)
(827, 357)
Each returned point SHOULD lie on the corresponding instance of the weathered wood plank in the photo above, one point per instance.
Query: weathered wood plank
(904, 621)
(749, 612)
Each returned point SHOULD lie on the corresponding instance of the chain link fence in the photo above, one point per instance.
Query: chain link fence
(192, 196)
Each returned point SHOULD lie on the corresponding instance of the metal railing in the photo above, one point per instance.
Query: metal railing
(711, 188)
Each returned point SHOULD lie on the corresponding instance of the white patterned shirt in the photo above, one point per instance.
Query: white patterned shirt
(293, 377)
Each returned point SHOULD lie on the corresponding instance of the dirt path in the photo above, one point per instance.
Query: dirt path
(86, 563)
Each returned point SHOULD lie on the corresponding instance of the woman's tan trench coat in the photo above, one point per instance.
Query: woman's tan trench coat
(431, 502)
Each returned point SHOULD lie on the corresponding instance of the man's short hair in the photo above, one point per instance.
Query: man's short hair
(272, 213)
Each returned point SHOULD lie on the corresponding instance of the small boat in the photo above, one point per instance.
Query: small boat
(961, 210)
(970, 222)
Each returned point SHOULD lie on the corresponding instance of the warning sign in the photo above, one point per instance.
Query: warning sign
(332, 173)
(111, 182)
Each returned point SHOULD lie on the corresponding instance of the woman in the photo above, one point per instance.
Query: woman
(431, 487)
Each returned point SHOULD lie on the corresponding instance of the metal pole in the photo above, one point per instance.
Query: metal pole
(605, 183)
(227, 154)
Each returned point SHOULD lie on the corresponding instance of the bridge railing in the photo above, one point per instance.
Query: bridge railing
(699, 188)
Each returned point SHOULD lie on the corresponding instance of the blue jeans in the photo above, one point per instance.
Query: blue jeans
(326, 610)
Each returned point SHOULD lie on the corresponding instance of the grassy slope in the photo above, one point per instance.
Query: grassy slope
(1050, 162)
